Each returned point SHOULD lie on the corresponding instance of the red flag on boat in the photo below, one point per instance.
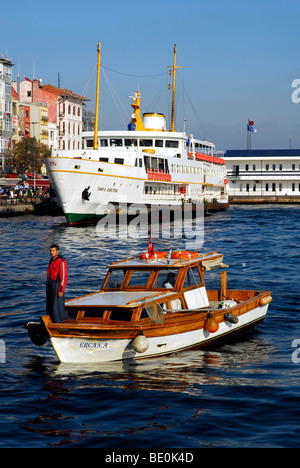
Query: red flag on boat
(150, 247)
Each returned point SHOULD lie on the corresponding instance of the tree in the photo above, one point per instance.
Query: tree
(88, 119)
(28, 155)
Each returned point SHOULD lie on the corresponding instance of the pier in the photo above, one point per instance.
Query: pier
(260, 200)
(29, 205)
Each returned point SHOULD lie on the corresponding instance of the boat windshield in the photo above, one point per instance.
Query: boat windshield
(192, 278)
(166, 278)
(115, 279)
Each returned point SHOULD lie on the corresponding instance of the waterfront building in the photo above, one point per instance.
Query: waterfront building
(59, 116)
(68, 117)
(15, 118)
(263, 175)
(5, 107)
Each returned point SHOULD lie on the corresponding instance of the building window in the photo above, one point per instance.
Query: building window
(247, 167)
(254, 187)
(267, 167)
(247, 187)
(273, 187)
(293, 167)
(274, 167)
(280, 187)
(293, 187)
(267, 187)
(254, 167)
(280, 167)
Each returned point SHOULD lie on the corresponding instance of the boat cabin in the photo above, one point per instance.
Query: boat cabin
(140, 288)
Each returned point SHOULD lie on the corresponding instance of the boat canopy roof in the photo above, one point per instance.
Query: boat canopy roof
(209, 261)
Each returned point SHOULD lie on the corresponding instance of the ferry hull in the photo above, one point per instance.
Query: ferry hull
(99, 350)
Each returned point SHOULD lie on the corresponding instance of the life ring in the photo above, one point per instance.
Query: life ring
(154, 256)
(184, 254)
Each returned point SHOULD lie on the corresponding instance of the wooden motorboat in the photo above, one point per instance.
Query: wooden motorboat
(151, 305)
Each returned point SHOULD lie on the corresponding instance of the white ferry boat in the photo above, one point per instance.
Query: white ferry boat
(145, 165)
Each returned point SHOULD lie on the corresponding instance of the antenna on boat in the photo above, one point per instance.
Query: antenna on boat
(97, 97)
(172, 71)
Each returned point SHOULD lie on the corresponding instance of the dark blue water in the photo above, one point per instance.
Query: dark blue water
(242, 394)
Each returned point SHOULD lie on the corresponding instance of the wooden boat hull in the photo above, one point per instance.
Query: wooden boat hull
(92, 349)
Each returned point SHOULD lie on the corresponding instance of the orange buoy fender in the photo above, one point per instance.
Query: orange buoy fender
(211, 324)
(184, 254)
(265, 300)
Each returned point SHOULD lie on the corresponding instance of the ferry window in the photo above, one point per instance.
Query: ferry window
(166, 278)
(103, 142)
(139, 278)
(159, 143)
(121, 314)
(115, 279)
(192, 278)
(172, 144)
(145, 143)
(138, 162)
(161, 164)
(129, 142)
(89, 143)
(119, 161)
(116, 142)
(103, 159)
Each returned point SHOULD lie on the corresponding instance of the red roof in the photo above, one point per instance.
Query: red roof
(62, 92)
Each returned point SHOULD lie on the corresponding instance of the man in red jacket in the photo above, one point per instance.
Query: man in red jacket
(57, 277)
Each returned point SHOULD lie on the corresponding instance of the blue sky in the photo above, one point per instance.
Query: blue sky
(239, 60)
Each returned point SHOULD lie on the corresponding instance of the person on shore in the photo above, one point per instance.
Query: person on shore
(57, 278)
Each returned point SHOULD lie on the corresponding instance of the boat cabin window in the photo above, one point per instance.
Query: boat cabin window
(159, 143)
(104, 159)
(94, 312)
(146, 143)
(172, 144)
(166, 278)
(139, 278)
(192, 278)
(103, 142)
(121, 314)
(116, 142)
(89, 143)
(138, 162)
(115, 279)
(130, 142)
(119, 161)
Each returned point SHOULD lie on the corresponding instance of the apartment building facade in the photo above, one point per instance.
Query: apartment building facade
(55, 114)
(6, 116)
